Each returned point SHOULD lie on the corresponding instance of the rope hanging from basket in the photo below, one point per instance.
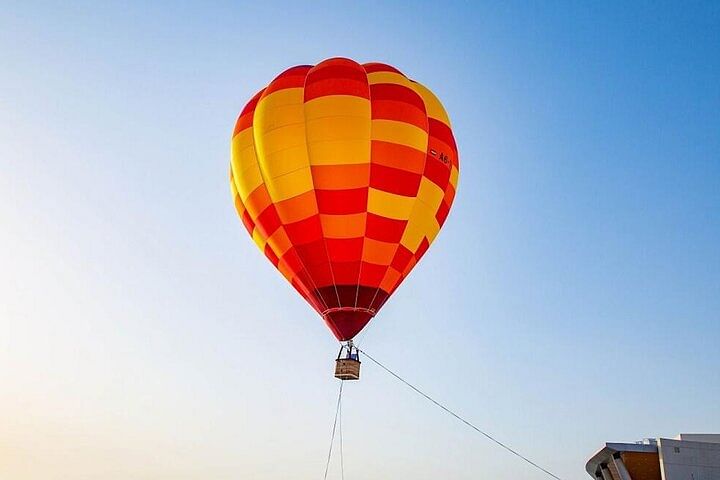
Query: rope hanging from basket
(336, 422)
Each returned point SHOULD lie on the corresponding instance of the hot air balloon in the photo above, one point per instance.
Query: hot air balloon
(343, 174)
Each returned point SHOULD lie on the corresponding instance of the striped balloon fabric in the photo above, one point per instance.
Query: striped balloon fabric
(343, 174)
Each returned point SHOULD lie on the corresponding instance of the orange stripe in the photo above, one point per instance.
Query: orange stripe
(397, 156)
(340, 177)
(343, 226)
(258, 201)
(377, 252)
(297, 208)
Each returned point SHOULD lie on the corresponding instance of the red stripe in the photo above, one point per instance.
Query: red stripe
(397, 102)
(268, 221)
(336, 87)
(442, 213)
(381, 297)
(312, 253)
(246, 116)
(449, 194)
(384, 229)
(401, 259)
(437, 172)
(338, 202)
(243, 122)
(422, 248)
(442, 132)
(371, 276)
(347, 273)
(304, 231)
(271, 255)
(344, 249)
(248, 222)
(322, 276)
(408, 268)
(399, 111)
(312, 298)
(380, 67)
(400, 182)
(291, 78)
(333, 70)
(292, 260)
(397, 93)
(338, 76)
(250, 106)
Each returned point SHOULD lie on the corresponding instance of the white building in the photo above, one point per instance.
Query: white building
(685, 457)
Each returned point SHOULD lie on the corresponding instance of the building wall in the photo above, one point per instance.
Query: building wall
(699, 437)
(686, 460)
(642, 465)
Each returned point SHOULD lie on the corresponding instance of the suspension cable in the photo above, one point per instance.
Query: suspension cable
(458, 417)
(332, 436)
(342, 465)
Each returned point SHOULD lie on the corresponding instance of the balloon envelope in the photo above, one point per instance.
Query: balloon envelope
(343, 174)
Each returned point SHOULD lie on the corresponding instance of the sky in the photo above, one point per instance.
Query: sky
(572, 297)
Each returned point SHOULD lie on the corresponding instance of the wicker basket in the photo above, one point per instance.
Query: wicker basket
(347, 369)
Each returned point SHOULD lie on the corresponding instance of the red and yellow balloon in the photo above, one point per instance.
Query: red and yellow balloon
(343, 174)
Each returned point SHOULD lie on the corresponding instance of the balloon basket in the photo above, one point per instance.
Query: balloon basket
(347, 364)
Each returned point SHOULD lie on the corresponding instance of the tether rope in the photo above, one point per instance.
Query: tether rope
(342, 462)
(332, 436)
(466, 422)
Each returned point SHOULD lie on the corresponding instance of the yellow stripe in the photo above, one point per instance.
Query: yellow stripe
(430, 194)
(243, 139)
(281, 115)
(454, 174)
(258, 239)
(401, 133)
(285, 161)
(237, 201)
(389, 205)
(233, 181)
(433, 106)
(338, 130)
(340, 152)
(389, 77)
(247, 181)
(412, 236)
(244, 163)
(290, 185)
(330, 105)
(422, 224)
(279, 132)
(233, 188)
(280, 98)
(281, 137)
(243, 159)
(338, 127)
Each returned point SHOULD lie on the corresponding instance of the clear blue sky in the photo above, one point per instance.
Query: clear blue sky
(572, 298)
